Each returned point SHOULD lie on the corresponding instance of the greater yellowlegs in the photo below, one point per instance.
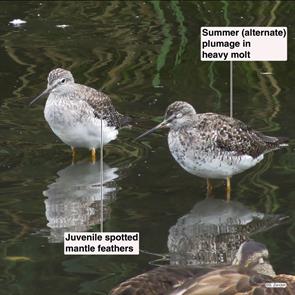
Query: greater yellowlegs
(73, 112)
(210, 145)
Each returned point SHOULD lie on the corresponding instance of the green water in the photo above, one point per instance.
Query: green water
(145, 55)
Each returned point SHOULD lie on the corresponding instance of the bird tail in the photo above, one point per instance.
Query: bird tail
(283, 141)
(274, 143)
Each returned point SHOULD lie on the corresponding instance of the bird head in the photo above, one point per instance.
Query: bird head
(175, 116)
(255, 257)
(57, 78)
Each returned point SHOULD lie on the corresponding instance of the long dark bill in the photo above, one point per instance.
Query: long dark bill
(46, 91)
(159, 126)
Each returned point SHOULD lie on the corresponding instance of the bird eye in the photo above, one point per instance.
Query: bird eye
(179, 115)
(63, 80)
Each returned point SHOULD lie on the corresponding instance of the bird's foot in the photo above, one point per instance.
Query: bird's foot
(74, 155)
(93, 155)
(209, 188)
(228, 189)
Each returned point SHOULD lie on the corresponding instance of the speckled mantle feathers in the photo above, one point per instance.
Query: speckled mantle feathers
(228, 135)
(102, 104)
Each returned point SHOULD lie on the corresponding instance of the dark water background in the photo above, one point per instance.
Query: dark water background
(144, 55)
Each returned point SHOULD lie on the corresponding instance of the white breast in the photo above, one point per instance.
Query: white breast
(208, 164)
(76, 125)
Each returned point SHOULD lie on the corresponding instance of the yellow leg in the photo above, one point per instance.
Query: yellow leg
(93, 155)
(74, 155)
(209, 187)
(228, 188)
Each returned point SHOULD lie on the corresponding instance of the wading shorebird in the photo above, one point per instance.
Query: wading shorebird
(74, 111)
(213, 146)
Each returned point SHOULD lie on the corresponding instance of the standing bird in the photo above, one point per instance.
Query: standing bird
(74, 112)
(210, 145)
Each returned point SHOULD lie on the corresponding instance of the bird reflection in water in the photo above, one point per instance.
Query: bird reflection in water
(211, 233)
(73, 200)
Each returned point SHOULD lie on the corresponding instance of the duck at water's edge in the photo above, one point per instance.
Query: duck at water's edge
(250, 274)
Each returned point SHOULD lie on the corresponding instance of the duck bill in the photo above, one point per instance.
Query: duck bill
(265, 269)
(159, 126)
(46, 91)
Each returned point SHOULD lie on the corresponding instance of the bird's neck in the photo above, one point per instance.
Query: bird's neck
(182, 123)
(64, 90)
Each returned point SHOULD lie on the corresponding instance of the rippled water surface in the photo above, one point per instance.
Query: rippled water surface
(145, 55)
